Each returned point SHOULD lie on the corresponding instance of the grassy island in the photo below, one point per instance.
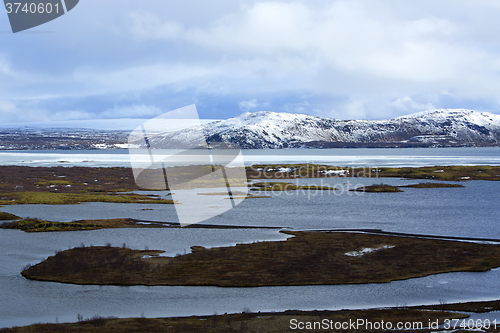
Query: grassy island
(379, 188)
(37, 225)
(376, 188)
(432, 185)
(7, 216)
(309, 258)
(445, 173)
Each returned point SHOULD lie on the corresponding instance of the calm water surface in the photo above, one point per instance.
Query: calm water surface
(472, 211)
(26, 301)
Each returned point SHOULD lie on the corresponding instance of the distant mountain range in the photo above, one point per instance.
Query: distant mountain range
(264, 129)
(439, 128)
(28, 138)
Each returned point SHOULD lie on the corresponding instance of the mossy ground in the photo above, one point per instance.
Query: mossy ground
(53, 182)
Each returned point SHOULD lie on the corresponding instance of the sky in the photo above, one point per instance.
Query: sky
(355, 59)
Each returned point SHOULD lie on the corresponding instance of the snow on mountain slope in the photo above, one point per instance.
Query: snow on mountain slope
(267, 129)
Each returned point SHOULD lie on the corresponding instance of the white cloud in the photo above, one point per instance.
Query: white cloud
(253, 105)
(4, 66)
(298, 107)
(12, 77)
(7, 106)
(248, 105)
(354, 109)
(12, 113)
(353, 36)
(22, 112)
(364, 59)
(372, 44)
(406, 105)
(375, 108)
(149, 25)
(131, 111)
(68, 115)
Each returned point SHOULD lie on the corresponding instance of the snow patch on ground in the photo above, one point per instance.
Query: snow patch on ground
(366, 250)
(335, 172)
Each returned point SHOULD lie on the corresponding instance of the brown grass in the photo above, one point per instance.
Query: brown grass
(378, 188)
(246, 322)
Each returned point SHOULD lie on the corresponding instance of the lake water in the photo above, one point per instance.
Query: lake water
(26, 301)
(353, 157)
(472, 211)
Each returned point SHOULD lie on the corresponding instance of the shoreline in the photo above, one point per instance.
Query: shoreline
(277, 321)
(37, 225)
(403, 234)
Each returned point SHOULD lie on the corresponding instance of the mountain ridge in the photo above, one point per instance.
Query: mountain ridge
(266, 129)
(273, 130)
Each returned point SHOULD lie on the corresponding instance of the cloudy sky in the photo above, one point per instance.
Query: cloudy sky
(351, 59)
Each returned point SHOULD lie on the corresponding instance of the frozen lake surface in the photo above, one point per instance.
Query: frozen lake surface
(353, 157)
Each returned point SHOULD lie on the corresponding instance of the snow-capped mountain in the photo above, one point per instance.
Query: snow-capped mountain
(266, 129)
